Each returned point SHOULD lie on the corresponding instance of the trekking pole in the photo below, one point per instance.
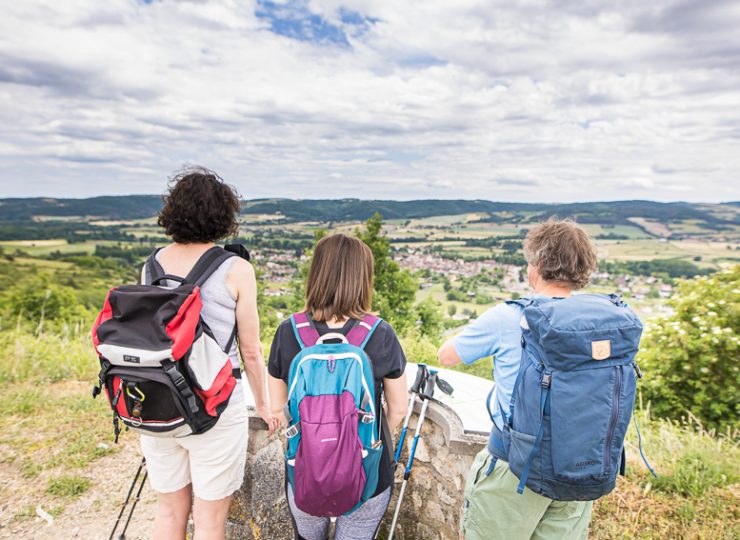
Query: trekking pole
(128, 497)
(421, 378)
(425, 397)
(122, 536)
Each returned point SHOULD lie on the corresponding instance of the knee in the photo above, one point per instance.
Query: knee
(210, 519)
(173, 509)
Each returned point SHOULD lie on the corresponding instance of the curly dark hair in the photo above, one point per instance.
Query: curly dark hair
(199, 207)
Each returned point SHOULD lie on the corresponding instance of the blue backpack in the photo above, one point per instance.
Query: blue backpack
(574, 395)
(334, 443)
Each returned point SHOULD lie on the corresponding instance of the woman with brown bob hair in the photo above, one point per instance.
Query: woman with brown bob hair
(338, 295)
(202, 471)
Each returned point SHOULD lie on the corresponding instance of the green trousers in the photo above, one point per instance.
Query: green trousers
(494, 510)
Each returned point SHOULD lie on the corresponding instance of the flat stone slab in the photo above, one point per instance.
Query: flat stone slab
(468, 401)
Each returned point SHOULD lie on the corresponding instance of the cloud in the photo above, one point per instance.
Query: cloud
(527, 101)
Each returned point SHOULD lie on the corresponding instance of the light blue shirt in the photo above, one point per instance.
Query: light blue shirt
(495, 333)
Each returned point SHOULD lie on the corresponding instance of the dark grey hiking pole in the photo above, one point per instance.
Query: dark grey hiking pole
(122, 536)
(426, 396)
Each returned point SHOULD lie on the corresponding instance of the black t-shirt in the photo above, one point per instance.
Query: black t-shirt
(386, 357)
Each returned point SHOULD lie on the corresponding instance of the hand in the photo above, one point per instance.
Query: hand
(273, 422)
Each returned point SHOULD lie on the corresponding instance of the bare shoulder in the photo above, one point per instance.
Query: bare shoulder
(240, 274)
(241, 268)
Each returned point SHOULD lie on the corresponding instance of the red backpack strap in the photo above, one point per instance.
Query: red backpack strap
(305, 332)
(363, 330)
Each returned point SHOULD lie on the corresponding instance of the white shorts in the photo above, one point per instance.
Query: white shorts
(212, 461)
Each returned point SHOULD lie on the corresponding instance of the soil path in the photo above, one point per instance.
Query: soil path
(91, 516)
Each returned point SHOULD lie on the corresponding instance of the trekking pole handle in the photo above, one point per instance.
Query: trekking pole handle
(428, 392)
(421, 375)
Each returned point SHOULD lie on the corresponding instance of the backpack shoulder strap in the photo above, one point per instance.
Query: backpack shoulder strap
(152, 268)
(361, 333)
(523, 302)
(207, 265)
(305, 331)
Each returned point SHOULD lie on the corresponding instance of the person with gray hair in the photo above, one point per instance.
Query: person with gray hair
(561, 259)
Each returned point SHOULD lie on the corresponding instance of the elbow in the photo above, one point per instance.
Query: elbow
(447, 356)
(444, 357)
(251, 356)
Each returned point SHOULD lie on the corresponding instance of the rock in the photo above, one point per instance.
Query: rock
(431, 505)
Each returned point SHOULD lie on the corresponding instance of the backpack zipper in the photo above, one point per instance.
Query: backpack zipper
(614, 417)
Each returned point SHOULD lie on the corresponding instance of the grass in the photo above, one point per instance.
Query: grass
(48, 419)
(51, 430)
(67, 486)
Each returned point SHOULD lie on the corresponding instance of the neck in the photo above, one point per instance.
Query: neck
(554, 290)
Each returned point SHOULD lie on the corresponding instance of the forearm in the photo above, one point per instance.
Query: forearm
(254, 366)
(394, 419)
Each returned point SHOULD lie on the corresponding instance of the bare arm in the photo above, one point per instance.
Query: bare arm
(278, 397)
(396, 398)
(447, 355)
(242, 278)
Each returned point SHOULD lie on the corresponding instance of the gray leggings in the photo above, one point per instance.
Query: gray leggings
(359, 525)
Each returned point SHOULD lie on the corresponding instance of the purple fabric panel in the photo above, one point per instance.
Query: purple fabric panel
(358, 334)
(308, 334)
(329, 477)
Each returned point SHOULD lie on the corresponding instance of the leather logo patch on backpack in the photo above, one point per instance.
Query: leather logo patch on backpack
(601, 350)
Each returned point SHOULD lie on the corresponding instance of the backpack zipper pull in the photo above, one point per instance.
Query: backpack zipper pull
(116, 428)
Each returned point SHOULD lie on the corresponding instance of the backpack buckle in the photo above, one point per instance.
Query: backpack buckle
(546, 379)
(292, 431)
(366, 417)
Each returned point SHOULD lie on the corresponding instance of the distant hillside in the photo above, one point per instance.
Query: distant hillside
(121, 207)
(324, 210)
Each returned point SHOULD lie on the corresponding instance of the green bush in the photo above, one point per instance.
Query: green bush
(690, 358)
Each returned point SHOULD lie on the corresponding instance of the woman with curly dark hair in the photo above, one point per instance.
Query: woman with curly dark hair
(204, 470)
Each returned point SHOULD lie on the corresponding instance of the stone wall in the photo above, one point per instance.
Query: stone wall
(433, 498)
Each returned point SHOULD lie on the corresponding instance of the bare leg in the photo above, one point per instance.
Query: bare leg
(173, 509)
(210, 518)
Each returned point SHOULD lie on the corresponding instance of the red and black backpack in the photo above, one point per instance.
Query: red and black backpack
(160, 365)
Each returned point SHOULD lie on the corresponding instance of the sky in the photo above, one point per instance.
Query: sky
(531, 101)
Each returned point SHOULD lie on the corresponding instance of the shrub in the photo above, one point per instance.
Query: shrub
(690, 358)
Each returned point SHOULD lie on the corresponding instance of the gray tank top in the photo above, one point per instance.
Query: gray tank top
(219, 313)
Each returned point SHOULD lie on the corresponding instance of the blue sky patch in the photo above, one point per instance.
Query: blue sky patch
(294, 20)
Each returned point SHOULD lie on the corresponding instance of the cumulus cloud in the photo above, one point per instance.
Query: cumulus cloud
(528, 101)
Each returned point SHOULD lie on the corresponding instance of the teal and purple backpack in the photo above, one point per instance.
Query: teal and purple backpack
(334, 443)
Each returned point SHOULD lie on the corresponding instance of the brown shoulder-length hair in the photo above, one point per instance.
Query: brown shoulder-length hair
(340, 279)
